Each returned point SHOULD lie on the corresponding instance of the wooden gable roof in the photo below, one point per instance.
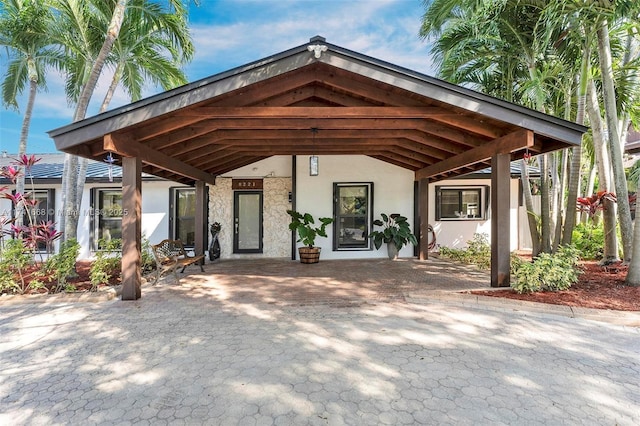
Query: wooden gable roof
(320, 99)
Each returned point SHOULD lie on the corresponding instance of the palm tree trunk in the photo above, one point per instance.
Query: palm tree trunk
(75, 182)
(528, 202)
(545, 211)
(611, 114)
(576, 152)
(557, 240)
(588, 190)
(70, 211)
(604, 174)
(112, 88)
(24, 137)
(633, 274)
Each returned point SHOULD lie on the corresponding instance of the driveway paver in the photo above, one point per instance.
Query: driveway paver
(239, 345)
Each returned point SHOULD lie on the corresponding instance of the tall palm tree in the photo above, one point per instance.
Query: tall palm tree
(146, 21)
(496, 47)
(543, 32)
(24, 32)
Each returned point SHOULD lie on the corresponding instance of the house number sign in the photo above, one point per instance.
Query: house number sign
(246, 184)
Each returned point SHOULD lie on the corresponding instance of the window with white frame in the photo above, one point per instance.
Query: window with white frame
(183, 215)
(461, 202)
(106, 211)
(352, 210)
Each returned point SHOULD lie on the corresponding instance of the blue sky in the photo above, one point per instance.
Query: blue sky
(230, 33)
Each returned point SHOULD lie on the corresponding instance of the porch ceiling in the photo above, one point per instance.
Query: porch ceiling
(296, 104)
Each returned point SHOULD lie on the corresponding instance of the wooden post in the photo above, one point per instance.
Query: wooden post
(201, 221)
(500, 221)
(423, 211)
(131, 228)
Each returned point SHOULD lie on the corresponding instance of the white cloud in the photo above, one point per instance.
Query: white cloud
(233, 33)
(387, 30)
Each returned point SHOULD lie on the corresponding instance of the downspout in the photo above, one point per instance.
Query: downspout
(294, 169)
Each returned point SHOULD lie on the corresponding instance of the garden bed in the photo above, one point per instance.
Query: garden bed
(81, 283)
(598, 287)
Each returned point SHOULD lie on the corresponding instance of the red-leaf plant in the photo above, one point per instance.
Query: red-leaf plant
(592, 204)
(31, 233)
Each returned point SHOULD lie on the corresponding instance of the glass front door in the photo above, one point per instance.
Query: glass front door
(247, 237)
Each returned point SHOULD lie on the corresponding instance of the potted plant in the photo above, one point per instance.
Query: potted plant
(396, 233)
(304, 223)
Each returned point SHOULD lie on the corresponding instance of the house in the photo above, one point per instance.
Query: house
(166, 205)
(325, 130)
(168, 209)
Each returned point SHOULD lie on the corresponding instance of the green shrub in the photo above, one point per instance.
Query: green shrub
(62, 264)
(148, 261)
(547, 272)
(478, 252)
(13, 261)
(108, 261)
(588, 239)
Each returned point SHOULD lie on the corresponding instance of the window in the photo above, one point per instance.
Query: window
(42, 212)
(106, 210)
(352, 210)
(183, 215)
(461, 203)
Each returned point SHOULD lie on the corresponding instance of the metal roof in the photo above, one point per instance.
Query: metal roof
(96, 171)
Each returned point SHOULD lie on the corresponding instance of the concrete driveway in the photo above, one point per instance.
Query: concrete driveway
(272, 343)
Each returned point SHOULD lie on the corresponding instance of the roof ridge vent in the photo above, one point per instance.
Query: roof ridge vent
(317, 48)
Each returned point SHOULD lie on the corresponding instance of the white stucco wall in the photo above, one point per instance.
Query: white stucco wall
(155, 210)
(456, 233)
(392, 193)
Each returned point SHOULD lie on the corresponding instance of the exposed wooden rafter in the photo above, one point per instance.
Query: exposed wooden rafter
(504, 145)
(126, 147)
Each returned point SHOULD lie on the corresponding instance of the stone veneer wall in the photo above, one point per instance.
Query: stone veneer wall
(276, 238)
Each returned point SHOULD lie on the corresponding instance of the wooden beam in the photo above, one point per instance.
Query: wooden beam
(500, 220)
(315, 112)
(201, 219)
(504, 145)
(131, 228)
(302, 94)
(396, 162)
(480, 126)
(127, 147)
(423, 213)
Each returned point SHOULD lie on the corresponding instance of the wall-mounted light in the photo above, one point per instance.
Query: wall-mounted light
(313, 160)
(313, 165)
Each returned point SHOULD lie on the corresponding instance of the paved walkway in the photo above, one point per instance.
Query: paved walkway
(283, 343)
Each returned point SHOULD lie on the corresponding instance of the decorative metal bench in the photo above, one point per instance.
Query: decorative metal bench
(170, 255)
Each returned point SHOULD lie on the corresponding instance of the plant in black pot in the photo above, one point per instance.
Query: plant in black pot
(214, 246)
(396, 233)
(304, 224)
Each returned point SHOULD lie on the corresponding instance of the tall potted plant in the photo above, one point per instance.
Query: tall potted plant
(396, 233)
(304, 223)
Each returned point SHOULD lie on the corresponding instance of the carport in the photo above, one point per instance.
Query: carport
(275, 106)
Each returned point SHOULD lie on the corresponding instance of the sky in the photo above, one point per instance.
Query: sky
(231, 33)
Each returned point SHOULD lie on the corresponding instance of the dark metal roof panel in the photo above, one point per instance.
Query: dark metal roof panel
(95, 171)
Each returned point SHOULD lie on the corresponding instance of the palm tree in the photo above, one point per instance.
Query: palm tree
(481, 43)
(24, 31)
(148, 26)
(496, 47)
